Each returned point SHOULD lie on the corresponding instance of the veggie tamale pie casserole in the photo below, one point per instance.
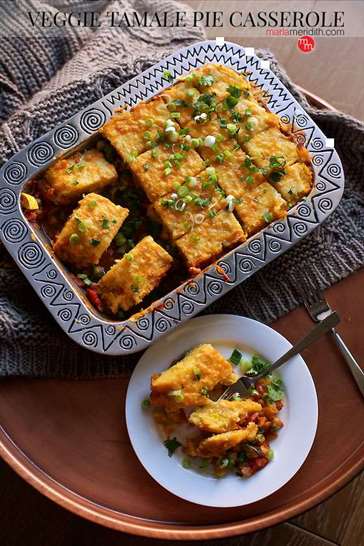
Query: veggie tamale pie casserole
(168, 187)
(216, 435)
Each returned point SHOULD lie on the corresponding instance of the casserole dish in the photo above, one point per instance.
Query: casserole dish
(52, 281)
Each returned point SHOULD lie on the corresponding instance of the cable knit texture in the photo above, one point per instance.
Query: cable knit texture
(46, 77)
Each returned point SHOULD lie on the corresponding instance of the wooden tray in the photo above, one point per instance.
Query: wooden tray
(68, 439)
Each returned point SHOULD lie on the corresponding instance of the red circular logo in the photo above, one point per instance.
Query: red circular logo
(306, 44)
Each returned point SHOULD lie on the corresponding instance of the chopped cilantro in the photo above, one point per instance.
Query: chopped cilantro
(259, 364)
(275, 390)
(172, 444)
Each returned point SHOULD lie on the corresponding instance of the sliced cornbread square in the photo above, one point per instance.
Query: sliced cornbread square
(198, 198)
(131, 131)
(134, 276)
(207, 241)
(83, 172)
(188, 382)
(259, 207)
(160, 169)
(295, 183)
(89, 231)
(271, 146)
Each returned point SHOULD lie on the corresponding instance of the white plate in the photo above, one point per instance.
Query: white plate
(294, 440)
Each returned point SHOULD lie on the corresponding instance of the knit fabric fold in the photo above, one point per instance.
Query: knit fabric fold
(67, 71)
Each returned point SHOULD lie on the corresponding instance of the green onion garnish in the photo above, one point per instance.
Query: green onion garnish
(167, 75)
(74, 239)
(235, 357)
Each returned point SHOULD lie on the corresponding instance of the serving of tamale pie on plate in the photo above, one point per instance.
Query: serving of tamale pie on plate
(220, 453)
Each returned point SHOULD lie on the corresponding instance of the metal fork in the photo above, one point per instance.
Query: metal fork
(318, 309)
(243, 385)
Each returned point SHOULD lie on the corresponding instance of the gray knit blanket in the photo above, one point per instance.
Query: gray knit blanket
(46, 77)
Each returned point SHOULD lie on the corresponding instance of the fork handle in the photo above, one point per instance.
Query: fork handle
(357, 372)
(324, 326)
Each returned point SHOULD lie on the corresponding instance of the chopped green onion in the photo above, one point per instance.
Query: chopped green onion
(81, 226)
(94, 242)
(105, 223)
(267, 217)
(92, 204)
(206, 81)
(235, 357)
(167, 75)
(146, 403)
(177, 394)
(234, 91)
(74, 239)
(196, 142)
(245, 365)
(230, 102)
(197, 373)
